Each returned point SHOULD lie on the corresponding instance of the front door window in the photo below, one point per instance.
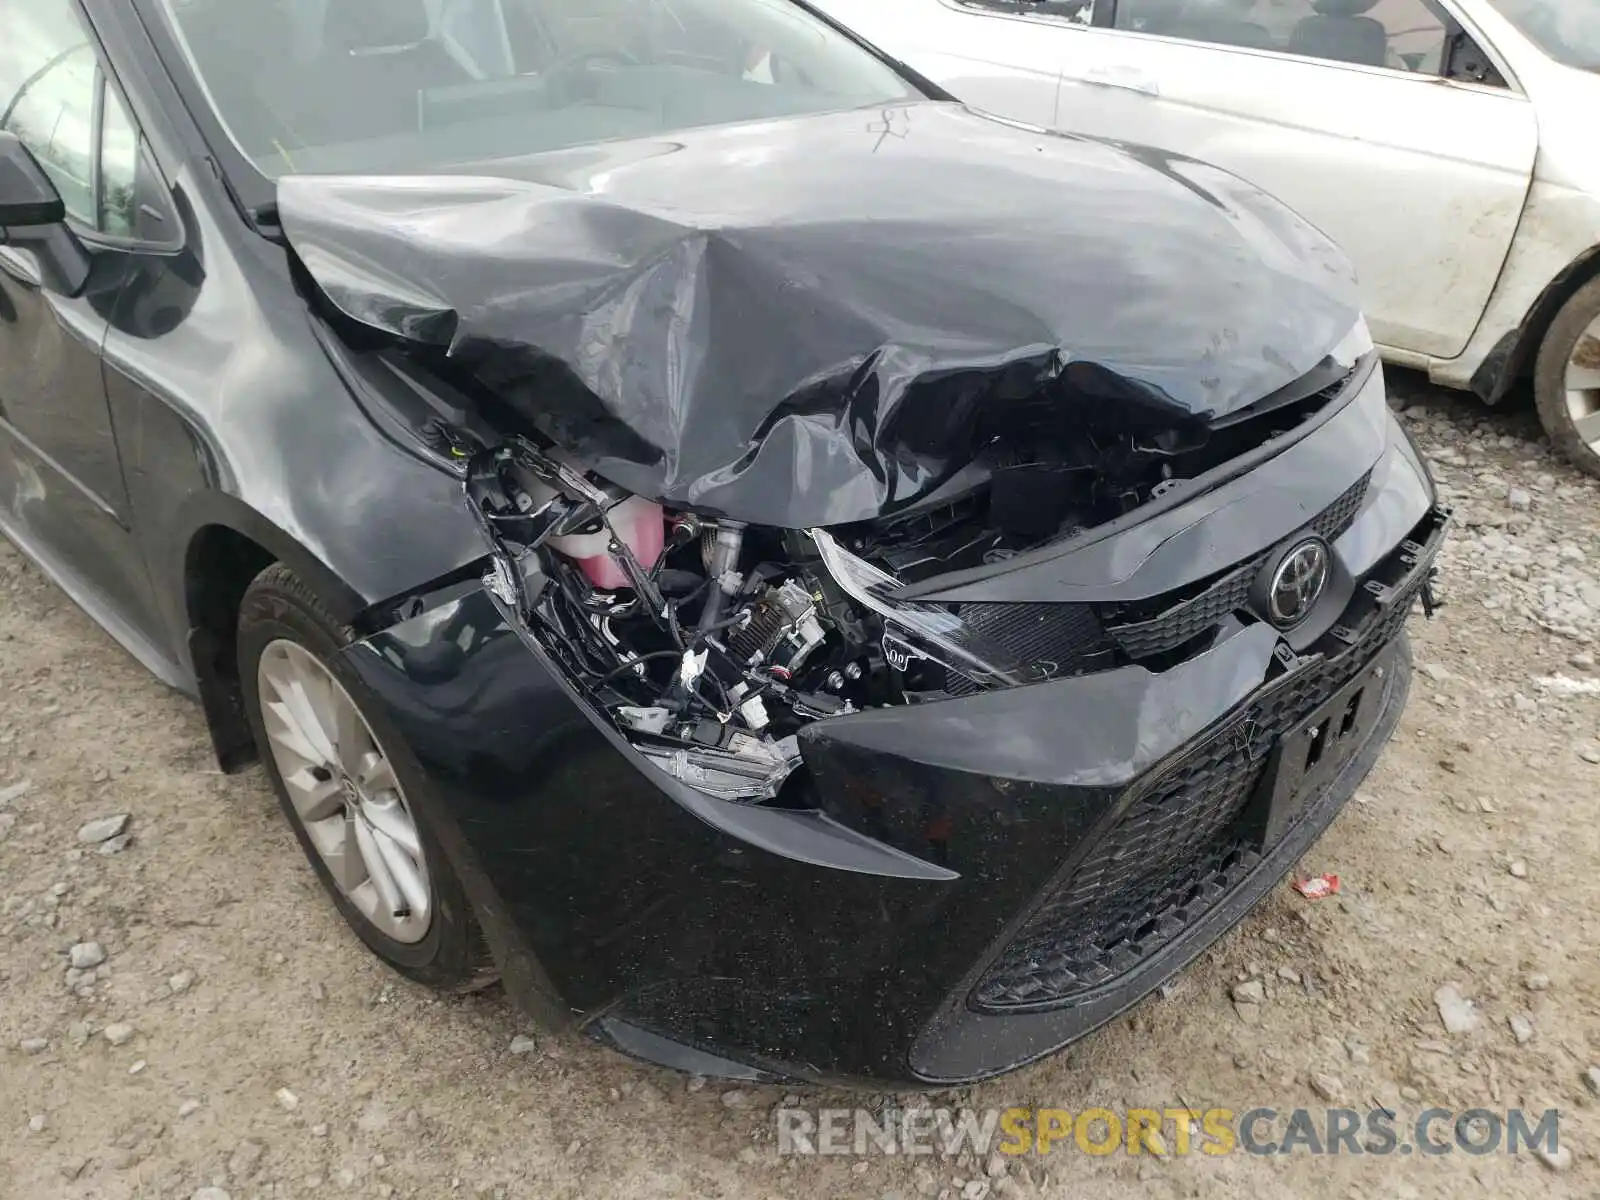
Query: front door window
(50, 89)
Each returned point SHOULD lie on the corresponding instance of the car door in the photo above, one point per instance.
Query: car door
(62, 495)
(1382, 121)
(998, 55)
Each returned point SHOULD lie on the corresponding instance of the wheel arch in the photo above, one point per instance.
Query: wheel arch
(1514, 354)
(227, 546)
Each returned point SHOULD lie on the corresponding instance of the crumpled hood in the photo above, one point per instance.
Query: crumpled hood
(811, 321)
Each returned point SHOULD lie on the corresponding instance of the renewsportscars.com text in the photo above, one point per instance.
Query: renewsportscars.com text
(1180, 1131)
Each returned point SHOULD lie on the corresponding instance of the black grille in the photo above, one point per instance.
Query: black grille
(1175, 852)
(1134, 892)
(1332, 521)
(1179, 846)
(1165, 862)
(1154, 627)
(1190, 618)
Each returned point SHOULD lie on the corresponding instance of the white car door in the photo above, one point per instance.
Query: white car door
(1358, 113)
(998, 55)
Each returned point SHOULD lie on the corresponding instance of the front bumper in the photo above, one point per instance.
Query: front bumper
(903, 934)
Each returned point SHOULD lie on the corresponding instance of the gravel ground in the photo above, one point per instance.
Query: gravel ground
(180, 1009)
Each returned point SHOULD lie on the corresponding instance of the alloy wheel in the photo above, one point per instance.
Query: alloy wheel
(344, 791)
(1583, 386)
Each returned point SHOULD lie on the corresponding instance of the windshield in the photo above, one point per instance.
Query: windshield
(1567, 30)
(354, 86)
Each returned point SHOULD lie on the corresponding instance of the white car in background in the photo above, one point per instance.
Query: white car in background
(1451, 146)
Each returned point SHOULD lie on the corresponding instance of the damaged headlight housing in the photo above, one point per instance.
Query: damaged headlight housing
(916, 630)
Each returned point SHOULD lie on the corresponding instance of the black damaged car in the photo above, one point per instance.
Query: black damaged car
(796, 577)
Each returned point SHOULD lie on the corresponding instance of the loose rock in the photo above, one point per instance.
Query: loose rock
(118, 1035)
(180, 983)
(1456, 1012)
(1252, 992)
(1591, 1080)
(102, 829)
(522, 1044)
(86, 956)
(188, 1108)
(1329, 1087)
(1521, 1028)
(1557, 1160)
(33, 1045)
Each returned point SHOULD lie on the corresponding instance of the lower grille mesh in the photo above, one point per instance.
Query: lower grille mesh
(1176, 851)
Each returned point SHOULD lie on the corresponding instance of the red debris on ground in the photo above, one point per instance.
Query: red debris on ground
(1318, 887)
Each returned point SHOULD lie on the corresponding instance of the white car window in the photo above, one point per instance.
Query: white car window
(1404, 35)
(1079, 12)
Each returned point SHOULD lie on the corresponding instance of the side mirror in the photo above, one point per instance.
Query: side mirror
(33, 217)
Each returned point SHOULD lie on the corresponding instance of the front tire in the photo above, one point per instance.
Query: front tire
(347, 783)
(1566, 379)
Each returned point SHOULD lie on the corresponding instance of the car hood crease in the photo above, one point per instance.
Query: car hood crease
(808, 321)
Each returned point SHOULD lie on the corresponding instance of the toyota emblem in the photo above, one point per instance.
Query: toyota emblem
(1296, 583)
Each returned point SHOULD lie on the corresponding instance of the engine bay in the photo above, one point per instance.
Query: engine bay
(709, 643)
